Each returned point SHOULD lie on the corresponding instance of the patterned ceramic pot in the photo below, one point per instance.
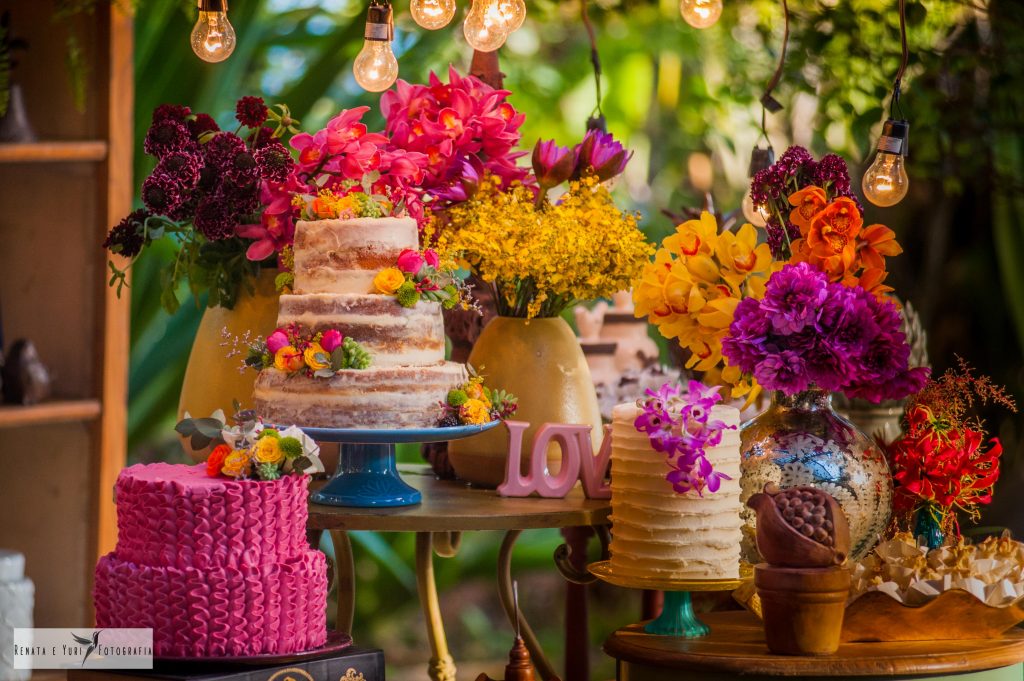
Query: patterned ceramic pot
(801, 440)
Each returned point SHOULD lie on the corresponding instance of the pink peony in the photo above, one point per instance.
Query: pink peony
(276, 341)
(331, 340)
(410, 261)
(430, 255)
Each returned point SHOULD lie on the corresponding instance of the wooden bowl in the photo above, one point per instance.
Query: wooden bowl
(952, 615)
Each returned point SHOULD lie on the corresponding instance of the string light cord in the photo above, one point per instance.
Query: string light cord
(767, 100)
(894, 105)
(596, 115)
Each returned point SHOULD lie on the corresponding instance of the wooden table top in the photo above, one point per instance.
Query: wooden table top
(454, 506)
(736, 646)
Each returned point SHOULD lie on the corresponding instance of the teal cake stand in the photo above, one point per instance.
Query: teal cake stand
(367, 475)
(677, 617)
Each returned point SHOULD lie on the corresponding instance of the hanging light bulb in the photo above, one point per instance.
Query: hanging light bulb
(513, 12)
(432, 14)
(759, 160)
(375, 67)
(700, 13)
(213, 36)
(485, 27)
(885, 183)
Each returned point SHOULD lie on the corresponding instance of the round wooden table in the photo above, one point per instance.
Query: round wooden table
(449, 508)
(735, 649)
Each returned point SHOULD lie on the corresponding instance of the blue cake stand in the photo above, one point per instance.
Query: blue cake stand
(367, 476)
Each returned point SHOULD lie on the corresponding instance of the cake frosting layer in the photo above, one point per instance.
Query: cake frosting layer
(392, 334)
(178, 516)
(659, 533)
(343, 256)
(377, 397)
(276, 608)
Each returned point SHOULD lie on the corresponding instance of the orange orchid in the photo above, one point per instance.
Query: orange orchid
(807, 203)
(875, 244)
(834, 229)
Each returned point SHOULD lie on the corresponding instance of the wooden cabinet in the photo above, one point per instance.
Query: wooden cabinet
(58, 197)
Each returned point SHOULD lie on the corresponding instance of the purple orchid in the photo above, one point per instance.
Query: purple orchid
(552, 164)
(600, 154)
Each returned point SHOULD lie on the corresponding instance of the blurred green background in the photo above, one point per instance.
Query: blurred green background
(684, 100)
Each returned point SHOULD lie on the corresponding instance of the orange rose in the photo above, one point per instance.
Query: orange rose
(323, 208)
(808, 202)
(288, 359)
(215, 461)
(834, 229)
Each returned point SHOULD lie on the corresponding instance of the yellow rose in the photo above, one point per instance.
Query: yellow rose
(288, 359)
(268, 450)
(388, 280)
(475, 391)
(237, 463)
(310, 354)
(474, 412)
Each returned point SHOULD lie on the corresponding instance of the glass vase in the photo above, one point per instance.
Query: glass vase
(928, 526)
(800, 440)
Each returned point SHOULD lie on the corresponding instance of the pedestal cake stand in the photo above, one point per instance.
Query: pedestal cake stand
(677, 617)
(366, 474)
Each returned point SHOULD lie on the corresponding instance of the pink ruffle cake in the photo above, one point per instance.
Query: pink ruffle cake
(216, 567)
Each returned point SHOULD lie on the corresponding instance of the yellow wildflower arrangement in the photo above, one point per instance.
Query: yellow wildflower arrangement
(541, 259)
(691, 289)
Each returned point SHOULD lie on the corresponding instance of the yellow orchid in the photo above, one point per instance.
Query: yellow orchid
(691, 289)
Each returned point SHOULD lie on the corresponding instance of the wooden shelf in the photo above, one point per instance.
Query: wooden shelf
(49, 412)
(48, 152)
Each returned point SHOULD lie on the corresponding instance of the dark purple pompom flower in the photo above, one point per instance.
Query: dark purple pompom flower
(221, 150)
(274, 162)
(172, 112)
(202, 123)
(128, 237)
(213, 220)
(161, 193)
(785, 371)
(251, 111)
(183, 166)
(167, 136)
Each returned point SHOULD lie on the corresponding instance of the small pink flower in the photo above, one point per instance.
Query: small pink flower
(430, 255)
(276, 341)
(331, 340)
(410, 261)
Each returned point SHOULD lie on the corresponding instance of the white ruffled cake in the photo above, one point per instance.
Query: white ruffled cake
(408, 378)
(661, 534)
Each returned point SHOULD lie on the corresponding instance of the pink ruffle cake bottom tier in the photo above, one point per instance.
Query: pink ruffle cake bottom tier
(276, 608)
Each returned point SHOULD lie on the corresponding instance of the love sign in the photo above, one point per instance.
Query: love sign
(578, 462)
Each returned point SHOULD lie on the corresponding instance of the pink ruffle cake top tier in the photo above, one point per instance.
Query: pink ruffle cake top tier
(178, 516)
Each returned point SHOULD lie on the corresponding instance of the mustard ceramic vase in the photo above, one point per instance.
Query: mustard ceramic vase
(212, 380)
(539, 361)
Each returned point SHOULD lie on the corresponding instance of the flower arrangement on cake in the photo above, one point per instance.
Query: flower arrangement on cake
(473, 403)
(680, 426)
(420, 275)
(941, 464)
(249, 449)
(542, 257)
(320, 354)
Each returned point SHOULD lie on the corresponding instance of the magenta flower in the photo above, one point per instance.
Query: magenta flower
(410, 261)
(430, 255)
(552, 164)
(600, 154)
(276, 228)
(794, 299)
(783, 371)
(331, 340)
(276, 341)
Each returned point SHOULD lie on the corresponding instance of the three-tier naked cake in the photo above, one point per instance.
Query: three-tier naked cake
(661, 534)
(215, 566)
(335, 264)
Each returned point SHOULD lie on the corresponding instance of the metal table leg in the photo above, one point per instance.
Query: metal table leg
(345, 574)
(442, 666)
(547, 672)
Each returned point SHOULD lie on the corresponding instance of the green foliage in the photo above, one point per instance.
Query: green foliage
(268, 471)
(291, 447)
(356, 356)
(407, 294)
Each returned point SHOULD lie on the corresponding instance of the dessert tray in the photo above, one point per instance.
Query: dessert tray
(337, 641)
(677, 617)
(367, 475)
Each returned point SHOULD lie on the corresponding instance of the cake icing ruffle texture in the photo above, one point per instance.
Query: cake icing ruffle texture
(216, 566)
(658, 533)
